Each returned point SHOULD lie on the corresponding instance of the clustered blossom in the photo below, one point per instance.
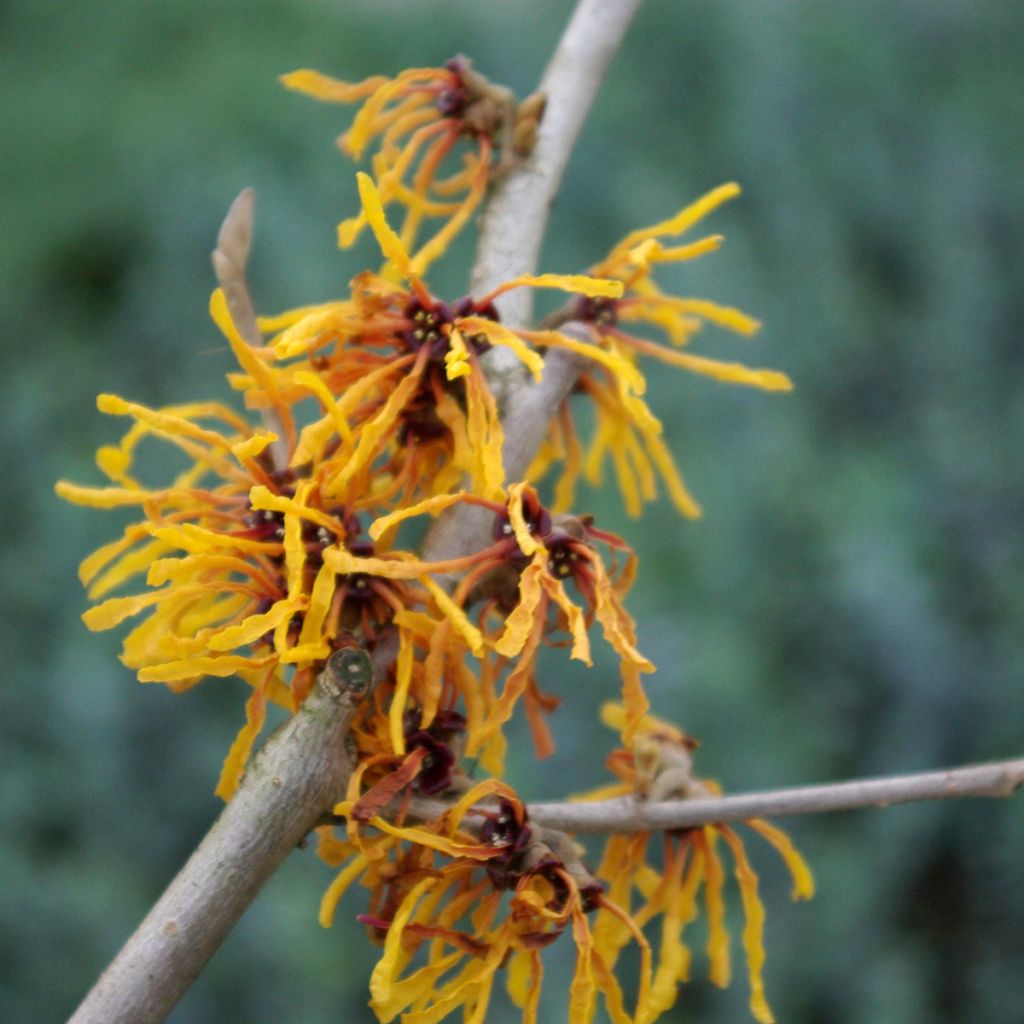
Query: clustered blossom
(274, 548)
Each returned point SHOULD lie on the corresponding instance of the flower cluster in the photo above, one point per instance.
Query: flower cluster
(277, 545)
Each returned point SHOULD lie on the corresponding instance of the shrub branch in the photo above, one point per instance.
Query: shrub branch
(627, 814)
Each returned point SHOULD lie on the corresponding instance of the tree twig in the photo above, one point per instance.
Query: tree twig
(290, 783)
(627, 814)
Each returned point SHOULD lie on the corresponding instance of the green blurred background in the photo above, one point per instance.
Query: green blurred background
(850, 604)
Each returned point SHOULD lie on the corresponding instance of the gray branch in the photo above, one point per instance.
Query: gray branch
(627, 814)
(291, 782)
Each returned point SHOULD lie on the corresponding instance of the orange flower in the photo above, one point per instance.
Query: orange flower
(627, 431)
(421, 912)
(522, 577)
(419, 118)
(659, 767)
(426, 382)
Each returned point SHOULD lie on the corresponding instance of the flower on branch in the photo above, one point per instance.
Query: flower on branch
(447, 930)
(520, 579)
(662, 876)
(627, 431)
(377, 409)
(419, 118)
(413, 406)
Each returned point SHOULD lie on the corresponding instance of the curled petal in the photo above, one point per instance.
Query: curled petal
(753, 929)
(252, 628)
(528, 544)
(238, 755)
(337, 888)
(521, 623)
(190, 668)
(433, 505)
(685, 218)
(803, 880)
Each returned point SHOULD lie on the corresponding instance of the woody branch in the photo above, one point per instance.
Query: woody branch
(627, 814)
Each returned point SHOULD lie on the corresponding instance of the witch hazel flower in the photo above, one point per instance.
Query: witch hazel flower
(627, 433)
(419, 120)
(428, 385)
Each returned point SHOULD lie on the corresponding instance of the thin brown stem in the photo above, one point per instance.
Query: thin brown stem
(627, 814)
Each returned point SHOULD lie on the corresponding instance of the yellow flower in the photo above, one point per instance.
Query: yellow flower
(652, 878)
(419, 118)
(627, 432)
(405, 367)
(521, 580)
(237, 561)
(452, 921)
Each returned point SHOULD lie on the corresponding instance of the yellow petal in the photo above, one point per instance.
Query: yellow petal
(101, 557)
(575, 619)
(716, 369)
(319, 605)
(498, 334)
(528, 544)
(753, 929)
(238, 755)
(433, 505)
(685, 218)
(261, 498)
(580, 283)
(676, 254)
(116, 609)
(390, 244)
(329, 902)
(330, 90)
(124, 568)
(718, 935)
(247, 358)
(252, 628)
(320, 389)
(725, 316)
(456, 616)
(456, 359)
(252, 447)
(520, 623)
(621, 368)
(196, 539)
(681, 497)
(169, 423)
(104, 497)
(383, 977)
(376, 432)
(188, 668)
(403, 680)
(803, 880)
(342, 561)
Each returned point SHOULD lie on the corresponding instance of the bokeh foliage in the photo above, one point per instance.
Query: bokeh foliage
(852, 602)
